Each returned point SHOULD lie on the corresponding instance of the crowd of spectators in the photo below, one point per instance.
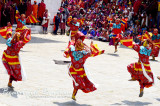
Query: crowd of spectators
(97, 15)
(8, 10)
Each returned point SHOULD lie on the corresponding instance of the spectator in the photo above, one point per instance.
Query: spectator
(4, 15)
(29, 8)
(45, 21)
(35, 9)
(56, 22)
(41, 10)
(12, 14)
(63, 18)
(22, 8)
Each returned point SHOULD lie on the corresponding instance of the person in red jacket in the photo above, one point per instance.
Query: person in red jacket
(116, 33)
(156, 40)
(141, 71)
(74, 26)
(29, 8)
(41, 10)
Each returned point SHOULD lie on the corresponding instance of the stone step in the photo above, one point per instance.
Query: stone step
(35, 29)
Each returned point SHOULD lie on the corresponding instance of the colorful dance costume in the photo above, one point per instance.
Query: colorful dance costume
(116, 34)
(21, 22)
(141, 70)
(10, 56)
(77, 69)
(74, 27)
(156, 41)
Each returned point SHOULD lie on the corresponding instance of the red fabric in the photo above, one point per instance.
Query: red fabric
(155, 51)
(10, 56)
(29, 9)
(136, 6)
(62, 25)
(35, 10)
(138, 75)
(13, 70)
(6, 32)
(77, 70)
(31, 19)
(54, 28)
(83, 83)
(41, 10)
(46, 16)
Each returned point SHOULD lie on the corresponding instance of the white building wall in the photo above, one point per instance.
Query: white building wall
(52, 6)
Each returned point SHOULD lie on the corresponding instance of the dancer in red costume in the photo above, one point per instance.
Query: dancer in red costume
(141, 70)
(156, 40)
(21, 21)
(74, 26)
(116, 33)
(79, 52)
(10, 56)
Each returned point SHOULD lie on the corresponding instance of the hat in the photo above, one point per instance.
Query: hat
(35, 1)
(79, 35)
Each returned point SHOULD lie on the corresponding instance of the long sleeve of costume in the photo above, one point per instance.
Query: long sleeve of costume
(26, 35)
(66, 52)
(5, 32)
(136, 47)
(127, 42)
(95, 51)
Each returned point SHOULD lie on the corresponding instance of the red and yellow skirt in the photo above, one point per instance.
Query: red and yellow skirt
(12, 65)
(21, 29)
(135, 69)
(80, 80)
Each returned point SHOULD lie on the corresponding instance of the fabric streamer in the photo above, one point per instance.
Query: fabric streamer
(24, 76)
(88, 76)
(145, 74)
(71, 75)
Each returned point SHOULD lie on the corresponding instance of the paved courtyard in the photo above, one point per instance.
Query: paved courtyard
(48, 82)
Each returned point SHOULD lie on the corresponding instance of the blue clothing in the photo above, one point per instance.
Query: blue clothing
(145, 51)
(154, 37)
(93, 33)
(84, 32)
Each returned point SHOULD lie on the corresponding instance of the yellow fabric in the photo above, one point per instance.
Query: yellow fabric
(3, 30)
(8, 56)
(140, 69)
(83, 75)
(126, 40)
(24, 27)
(80, 69)
(11, 63)
(158, 6)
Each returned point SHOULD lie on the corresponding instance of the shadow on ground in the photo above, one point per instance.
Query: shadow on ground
(132, 103)
(8, 91)
(70, 103)
(60, 62)
(122, 46)
(153, 60)
(113, 54)
(158, 99)
(35, 40)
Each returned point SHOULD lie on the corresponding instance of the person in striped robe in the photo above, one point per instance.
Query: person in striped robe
(141, 71)
(79, 52)
(10, 56)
